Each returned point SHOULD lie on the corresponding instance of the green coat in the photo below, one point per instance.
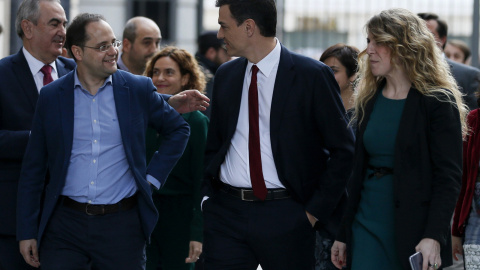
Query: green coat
(186, 177)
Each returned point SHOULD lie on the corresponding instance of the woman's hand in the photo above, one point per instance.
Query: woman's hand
(457, 247)
(430, 250)
(194, 253)
(339, 254)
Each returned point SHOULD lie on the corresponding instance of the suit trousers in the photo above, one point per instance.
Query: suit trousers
(75, 240)
(275, 234)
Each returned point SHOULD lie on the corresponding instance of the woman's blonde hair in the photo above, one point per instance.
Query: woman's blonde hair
(414, 50)
(187, 64)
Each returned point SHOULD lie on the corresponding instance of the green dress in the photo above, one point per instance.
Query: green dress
(373, 242)
(178, 201)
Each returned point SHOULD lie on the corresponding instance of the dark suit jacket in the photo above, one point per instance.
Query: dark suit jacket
(311, 143)
(467, 78)
(427, 174)
(137, 105)
(18, 97)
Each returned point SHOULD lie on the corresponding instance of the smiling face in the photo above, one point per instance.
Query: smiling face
(234, 36)
(167, 76)
(45, 39)
(99, 64)
(379, 57)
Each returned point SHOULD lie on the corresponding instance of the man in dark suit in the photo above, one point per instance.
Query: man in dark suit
(41, 26)
(89, 130)
(467, 77)
(279, 151)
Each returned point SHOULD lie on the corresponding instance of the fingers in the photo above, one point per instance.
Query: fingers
(28, 249)
(338, 255)
(194, 252)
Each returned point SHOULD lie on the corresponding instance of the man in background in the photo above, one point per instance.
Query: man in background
(467, 77)
(141, 39)
(211, 54)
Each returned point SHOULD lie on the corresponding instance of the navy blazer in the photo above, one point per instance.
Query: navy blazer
(311, 143)
(18, 97)
(468, 79)
(138, 106)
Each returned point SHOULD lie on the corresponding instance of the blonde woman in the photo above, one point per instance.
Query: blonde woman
(406, 179)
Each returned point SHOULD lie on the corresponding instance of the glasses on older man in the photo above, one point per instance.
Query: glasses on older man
(105, 47)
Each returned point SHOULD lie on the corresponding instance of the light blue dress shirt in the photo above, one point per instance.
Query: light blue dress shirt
(98, 172)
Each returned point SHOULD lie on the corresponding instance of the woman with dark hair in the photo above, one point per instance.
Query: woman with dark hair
(410, 120)
(342, 59)
(176, 241)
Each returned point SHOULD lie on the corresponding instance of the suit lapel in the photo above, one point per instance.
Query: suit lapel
(236, 96)
(25, 78)
(66, 101)
(61, 70)
(281, 91)
(122, 106)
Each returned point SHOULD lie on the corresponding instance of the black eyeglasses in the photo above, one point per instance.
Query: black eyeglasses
(105, 48)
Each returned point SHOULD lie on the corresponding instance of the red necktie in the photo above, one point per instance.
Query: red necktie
(47, 74)
(254, 157)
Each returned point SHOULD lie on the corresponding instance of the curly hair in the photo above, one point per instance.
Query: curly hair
(187, 64)
(413, 49)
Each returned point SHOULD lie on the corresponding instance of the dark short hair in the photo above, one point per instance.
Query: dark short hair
(208, 40)
(263, 12)
(442, 28)
(130, 31)
(76, 32)
(347, 55)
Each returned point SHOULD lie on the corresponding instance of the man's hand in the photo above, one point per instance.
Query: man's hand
(189, 101)
(194, 253)
(28, 249)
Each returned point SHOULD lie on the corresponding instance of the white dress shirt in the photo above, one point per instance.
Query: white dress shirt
(235, 170)
(35, 67)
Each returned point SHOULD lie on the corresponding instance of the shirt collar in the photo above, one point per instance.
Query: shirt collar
(120, 63)
(79, 84)
(268, 62)
(34, 64)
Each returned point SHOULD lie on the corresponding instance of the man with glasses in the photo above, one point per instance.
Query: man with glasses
(89, 131)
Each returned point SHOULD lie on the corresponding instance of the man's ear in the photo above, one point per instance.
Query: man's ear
(27, 27)
(77, 52)
(126, 45)
(250, 26)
